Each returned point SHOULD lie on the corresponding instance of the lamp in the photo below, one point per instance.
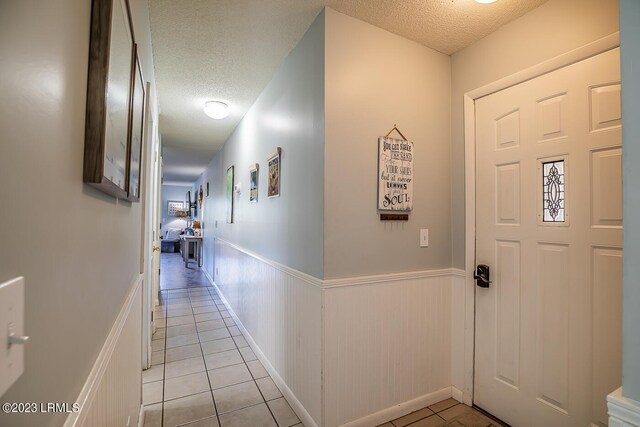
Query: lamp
(216, 109)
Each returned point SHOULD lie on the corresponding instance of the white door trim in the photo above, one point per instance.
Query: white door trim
(599, 46)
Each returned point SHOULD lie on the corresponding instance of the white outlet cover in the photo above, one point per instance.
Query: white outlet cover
(424, 237)
(11, 312)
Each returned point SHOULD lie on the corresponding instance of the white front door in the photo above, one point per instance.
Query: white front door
(549, 226)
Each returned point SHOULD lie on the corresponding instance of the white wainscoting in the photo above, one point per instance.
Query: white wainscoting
(387, 346)
(280, 308)
(460, 309)
(112, 394)
(357, 351)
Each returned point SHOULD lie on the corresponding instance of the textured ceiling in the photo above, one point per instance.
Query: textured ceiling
(229, 49)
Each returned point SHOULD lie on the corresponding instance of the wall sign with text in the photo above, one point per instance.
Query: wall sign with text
(395, 174)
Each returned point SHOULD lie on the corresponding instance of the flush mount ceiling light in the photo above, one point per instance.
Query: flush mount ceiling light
(485, 1)
(216, 109)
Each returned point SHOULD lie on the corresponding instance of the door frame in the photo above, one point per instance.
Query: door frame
(594, 48)
(149, 201)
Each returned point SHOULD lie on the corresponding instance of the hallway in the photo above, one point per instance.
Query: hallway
(174, 275)
(203, 373)
(406, 213)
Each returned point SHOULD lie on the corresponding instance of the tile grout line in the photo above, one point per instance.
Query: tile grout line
(245, 362)
(204, 362)
(213, 295)
(164, 359)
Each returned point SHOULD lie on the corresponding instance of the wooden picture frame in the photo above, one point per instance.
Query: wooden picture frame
(253, 183)
(273, 171)
(111, 59)
(136, 131)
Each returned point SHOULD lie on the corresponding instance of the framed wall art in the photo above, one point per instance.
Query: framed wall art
(253, 183)
(273, 187)
(230, 195)
(395, 174)
(136, 129)
(109, 81)
(174, 206)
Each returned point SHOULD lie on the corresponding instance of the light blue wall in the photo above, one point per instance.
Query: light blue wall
(288, 114)
(173, 192)
(630, 61)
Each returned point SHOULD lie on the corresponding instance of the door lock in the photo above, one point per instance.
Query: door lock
(482, 276)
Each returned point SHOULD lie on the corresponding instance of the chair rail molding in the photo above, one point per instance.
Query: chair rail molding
(112, 393)
(318, 337)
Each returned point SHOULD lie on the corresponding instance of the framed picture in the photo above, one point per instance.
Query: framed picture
(230, 195)
(136, 129)
(253, 183)
(273, 187)
(109, 81)
(174, 206)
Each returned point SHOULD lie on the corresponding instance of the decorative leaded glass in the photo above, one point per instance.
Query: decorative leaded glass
(553, 191)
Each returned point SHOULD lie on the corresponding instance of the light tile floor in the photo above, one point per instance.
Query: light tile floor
(203, 372)
(450, 413)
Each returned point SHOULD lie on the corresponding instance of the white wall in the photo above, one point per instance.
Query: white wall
(630, 61)
(78, 249)
(280, 308)
(288, 114)
(386, 346)
(266, 262)
(552, 29)
(387, 337)
(375, 79)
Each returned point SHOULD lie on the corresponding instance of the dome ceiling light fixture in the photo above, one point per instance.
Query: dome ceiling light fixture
(216, 109)
(485, 1)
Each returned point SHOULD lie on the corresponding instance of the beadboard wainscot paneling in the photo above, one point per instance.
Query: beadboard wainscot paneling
(280, 309)
(112, 394)
(387, 345)
(462, 307)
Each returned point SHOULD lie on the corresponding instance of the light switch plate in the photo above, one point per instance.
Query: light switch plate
(11, 313)
(424, 237)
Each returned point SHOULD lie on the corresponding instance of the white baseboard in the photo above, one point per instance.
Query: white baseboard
(291, 398)
(457, 394)
(401, 409)
(114, 372)
(623, 412)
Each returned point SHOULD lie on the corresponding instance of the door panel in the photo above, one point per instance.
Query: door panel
(549, 224)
